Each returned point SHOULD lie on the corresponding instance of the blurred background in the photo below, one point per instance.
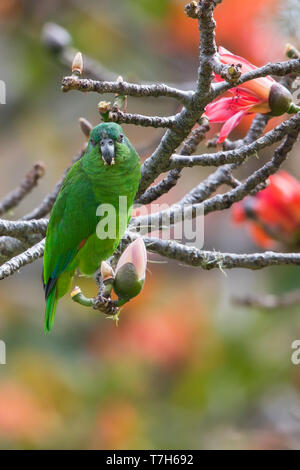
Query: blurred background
(185, 368)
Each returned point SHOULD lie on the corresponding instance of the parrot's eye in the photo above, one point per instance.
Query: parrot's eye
(120, 138)
(93, 142)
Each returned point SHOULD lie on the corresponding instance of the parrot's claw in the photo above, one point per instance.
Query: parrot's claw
(115, 317)
(106, 305)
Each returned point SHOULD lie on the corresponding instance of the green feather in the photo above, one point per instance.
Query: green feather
(51, 304)
(71, 240)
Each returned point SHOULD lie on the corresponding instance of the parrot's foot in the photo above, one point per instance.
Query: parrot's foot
(115, 317)
(105, 305)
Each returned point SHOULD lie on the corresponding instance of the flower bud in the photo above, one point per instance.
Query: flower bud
(280, 99)
(75, 291)
(131, 271)
(126, 283)
(106, 271)
(291, 51)
(38, 171)
(77, 65)
(85, 126)
(104, 109)
(104, 106)
(192, 9)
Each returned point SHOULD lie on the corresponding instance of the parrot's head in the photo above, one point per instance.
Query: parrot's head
(108, 136)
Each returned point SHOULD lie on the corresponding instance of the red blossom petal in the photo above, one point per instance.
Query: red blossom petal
(282, 197)
(228, 58)
(239, 214)
(226, 108)
(136, 254)
(271, 212)
(260, 237)
(259, 86)
(230, 124)
(276, 207)
(220, 111)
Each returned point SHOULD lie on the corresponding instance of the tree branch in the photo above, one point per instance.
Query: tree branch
(22, 228)
(46, 205)
(14, 264)
(189, 147)
(268, 302)
(236, 155)
(211, 259)
(208, 48)
(17, 236)
(17, 195)
(274, 68)
(224, 201)
(158, 162)
(140, 120)
(168, 217)
(125, 88)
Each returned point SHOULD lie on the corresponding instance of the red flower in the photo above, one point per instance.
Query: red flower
(274, 213)
(261, 95)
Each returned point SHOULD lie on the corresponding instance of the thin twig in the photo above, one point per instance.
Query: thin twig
(29, 182)
(46, 205)
(189, 147)
(14, 264)
(212, 260)
(239, 154)
(18, 235)
(125, 88)
(22, 228)
(158, 162)
(278, 69)
(224, 201)
(208, 260)
(268, 302)
(188, 209)
(141, 120)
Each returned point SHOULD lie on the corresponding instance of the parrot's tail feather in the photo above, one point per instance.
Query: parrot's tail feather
(51, 304)
(49, 286)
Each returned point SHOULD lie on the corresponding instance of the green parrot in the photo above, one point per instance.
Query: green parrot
(109, 169)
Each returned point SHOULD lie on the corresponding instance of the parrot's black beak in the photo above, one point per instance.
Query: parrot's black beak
(107, 148)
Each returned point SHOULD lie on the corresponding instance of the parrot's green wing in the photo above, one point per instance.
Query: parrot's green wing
(73, 219)
(109, 169)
